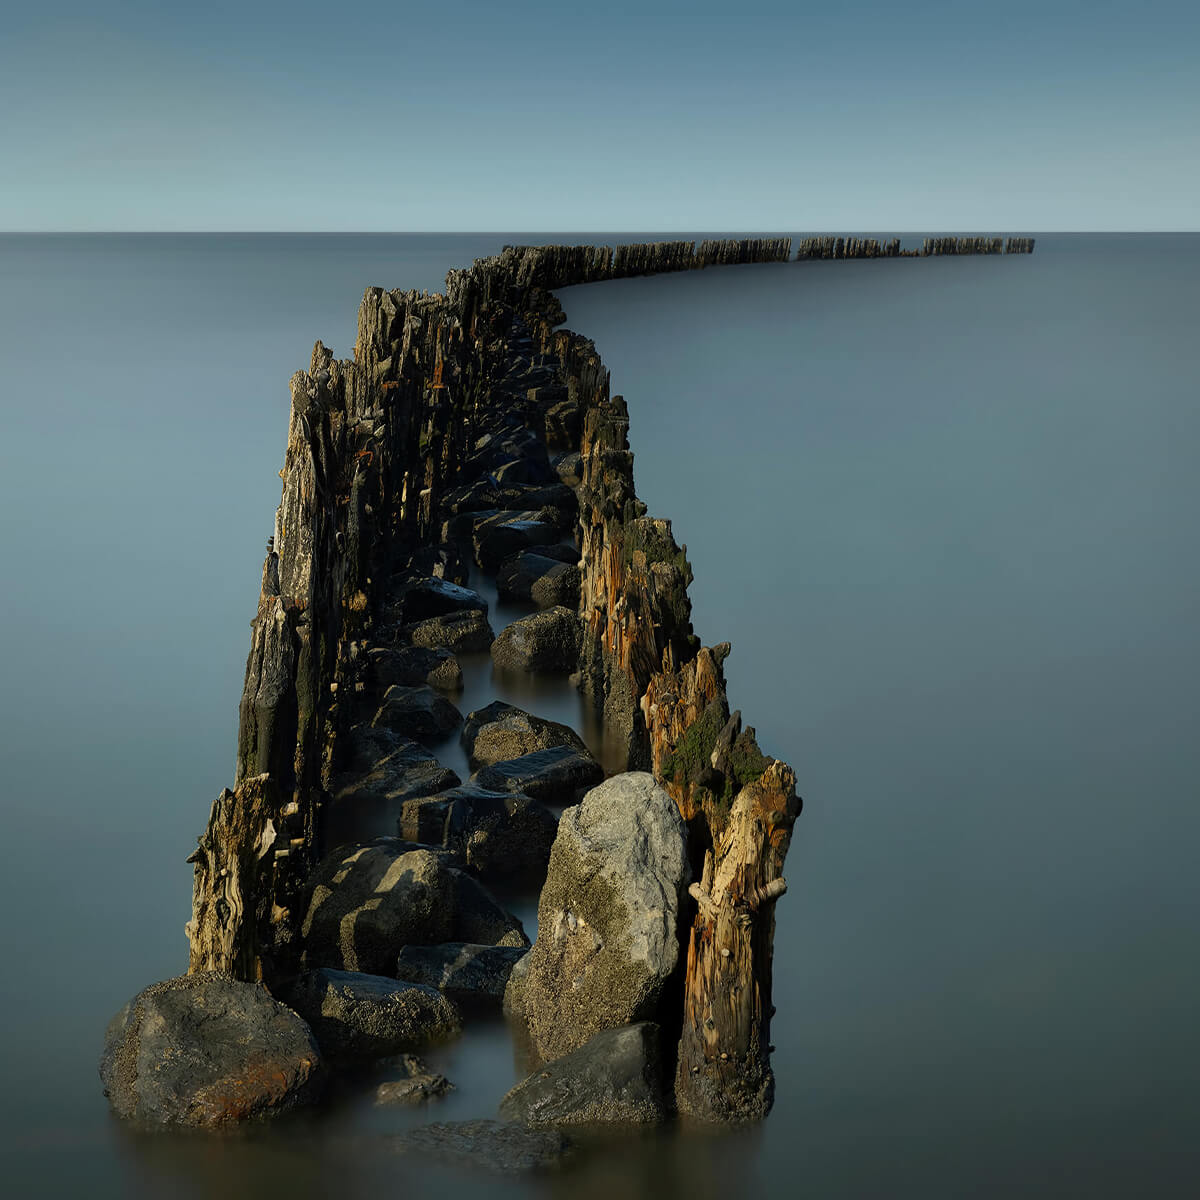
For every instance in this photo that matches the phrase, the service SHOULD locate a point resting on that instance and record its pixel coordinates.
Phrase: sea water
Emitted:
(942, 508)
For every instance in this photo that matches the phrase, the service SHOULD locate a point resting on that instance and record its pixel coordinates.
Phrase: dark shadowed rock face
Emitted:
(498, 835)
(460, 632)
(498, 1147)
(608, 917)
(356, 1016)
(616, 1078)
(207, 1051)
(555, 776)
(416, 712)
(369, 901)
(378, 764)
(544, 641)
(502, 731)
(545, 581)
(433, 597)
(411, 666)
(499, 535)
(473, 976)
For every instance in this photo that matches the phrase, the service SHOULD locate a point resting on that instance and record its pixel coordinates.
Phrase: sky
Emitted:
(745, 115)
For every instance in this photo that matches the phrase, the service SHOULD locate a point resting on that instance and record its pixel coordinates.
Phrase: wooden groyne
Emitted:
(830, 247)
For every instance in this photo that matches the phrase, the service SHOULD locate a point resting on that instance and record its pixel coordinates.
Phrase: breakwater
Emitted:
(829, 247)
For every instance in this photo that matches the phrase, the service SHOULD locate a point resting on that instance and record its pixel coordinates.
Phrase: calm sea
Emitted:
(945, 512)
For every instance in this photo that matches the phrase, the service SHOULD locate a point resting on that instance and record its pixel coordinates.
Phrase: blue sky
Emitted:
(481, 115)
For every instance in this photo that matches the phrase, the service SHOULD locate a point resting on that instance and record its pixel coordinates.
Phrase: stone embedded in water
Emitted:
(544, 641)
(609, 915)
(380, 765)
(416, 712)
(460, 632)
(206, 1050)
(558, 775)
(360, 1016)
(501, 731)
(470, 975)
(433, 597)
(498, 1147)
(614, 1078)
(369, 901)
(546, 581)
(411, 666)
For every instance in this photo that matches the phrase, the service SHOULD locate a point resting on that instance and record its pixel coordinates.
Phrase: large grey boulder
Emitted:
(499, 835)
(544, 641)
(609, 915)
(497, 1147)
(460, 632)
(206, 1050)
(369, 901)
(416, 712)
(559, 775)
(614, 1078)
(501, 731)
(356, 1016)
(473, 976)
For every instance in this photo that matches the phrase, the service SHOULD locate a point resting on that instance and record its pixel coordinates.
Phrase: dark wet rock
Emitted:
(544, 641)
(459, 632)
(545, 581)
(378, 764)
(416, 712)
(418, 1088)
(559, 775)
(358, 1016)
(488, 495)
(615, 1078)
(206, 1050)
(420, 599)
(501, 731)
(442, 562)
(369, 901)
(502, 534)
(412, 666)
(471, 975)
(570, 469)
(609, 914)
(559, 551)
(499, 835)
(498, 1147)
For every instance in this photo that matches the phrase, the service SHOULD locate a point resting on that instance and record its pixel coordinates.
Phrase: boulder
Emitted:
(609, 915)
(472, 976)
(356, 1016)
(206, 1050)
(559, 775)
(499, 535)
(411, 666)
(420, 599)
(416, 712)
(498, 1147)
(460, 632)
(545, 581)
(378, 764)
(501, 731)
(543, 641)
(369, 901)
(500, 835)
(615, 1078)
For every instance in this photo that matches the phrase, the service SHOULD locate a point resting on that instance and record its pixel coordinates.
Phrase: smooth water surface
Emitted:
(942, 508)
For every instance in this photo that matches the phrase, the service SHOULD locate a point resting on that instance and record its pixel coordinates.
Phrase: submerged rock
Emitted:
(460, 632)
(559, 775)
(206, 1050)
(608, 918)
(416, 712)
(614, 1078)
(544, 641)
(501, 731)
(369, 901)
(499, 835)
(470, 975)
(359, 1016)
(499, 1147)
